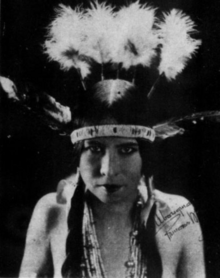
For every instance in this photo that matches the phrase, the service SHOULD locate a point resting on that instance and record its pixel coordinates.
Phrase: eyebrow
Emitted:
(128, 144)
(93, 142)
(122, 144)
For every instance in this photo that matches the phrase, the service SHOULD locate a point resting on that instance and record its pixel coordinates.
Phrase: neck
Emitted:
(111, 212)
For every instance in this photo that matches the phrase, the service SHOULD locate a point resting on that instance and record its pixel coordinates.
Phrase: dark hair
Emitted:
(109, 102)
(74, 242)
(130, 109)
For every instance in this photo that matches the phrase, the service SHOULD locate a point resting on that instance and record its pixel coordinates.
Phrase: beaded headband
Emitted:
(127, 131)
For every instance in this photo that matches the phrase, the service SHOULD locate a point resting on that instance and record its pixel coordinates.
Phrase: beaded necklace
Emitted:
(92, 264)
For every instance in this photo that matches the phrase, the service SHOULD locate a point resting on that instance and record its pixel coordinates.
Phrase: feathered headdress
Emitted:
(120, 40)
(123, 39)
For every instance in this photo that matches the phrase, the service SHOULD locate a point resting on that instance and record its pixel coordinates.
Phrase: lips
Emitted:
(111, 188)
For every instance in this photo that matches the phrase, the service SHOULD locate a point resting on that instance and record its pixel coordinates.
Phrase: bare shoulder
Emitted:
(47, 217)
(47, 201)
(48, 213)
(178, 235)
(172, 201)
(175, 218)
(52, 209)
(47, 233)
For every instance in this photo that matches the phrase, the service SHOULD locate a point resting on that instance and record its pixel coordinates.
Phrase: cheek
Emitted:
(87, 169)
(133, 168)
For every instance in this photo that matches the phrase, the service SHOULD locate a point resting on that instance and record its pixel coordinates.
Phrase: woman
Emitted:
(104, 231)
(108, 220)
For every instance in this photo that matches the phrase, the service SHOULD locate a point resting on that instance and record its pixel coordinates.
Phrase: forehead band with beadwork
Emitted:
(126, 131)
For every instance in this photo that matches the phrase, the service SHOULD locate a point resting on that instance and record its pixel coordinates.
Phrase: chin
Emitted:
(115, 197)
(109, 198)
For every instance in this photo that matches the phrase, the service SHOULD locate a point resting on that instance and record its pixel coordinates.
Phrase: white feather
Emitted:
(100, 32)
(65, 39)
(177, 45)
(57, 111)
(136, 41)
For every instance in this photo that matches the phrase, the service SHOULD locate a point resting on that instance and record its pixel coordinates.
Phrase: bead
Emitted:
(129, 264)
(83, 265)
(139, 203)
(135, 233)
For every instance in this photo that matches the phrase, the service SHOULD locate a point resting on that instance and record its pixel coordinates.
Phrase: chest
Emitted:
(115, 247)
(113, 244)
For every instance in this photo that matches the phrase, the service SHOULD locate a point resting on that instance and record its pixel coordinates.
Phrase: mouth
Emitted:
(112, 188)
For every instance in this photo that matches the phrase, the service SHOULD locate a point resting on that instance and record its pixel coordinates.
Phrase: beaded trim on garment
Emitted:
(92, 264)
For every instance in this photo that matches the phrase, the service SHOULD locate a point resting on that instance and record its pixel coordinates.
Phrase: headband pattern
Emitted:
(126, 131)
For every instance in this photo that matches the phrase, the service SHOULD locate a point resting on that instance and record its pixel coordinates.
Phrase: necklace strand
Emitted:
(92, 265)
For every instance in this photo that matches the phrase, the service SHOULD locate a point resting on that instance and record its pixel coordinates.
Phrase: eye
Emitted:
(94, 149)
(127, 150)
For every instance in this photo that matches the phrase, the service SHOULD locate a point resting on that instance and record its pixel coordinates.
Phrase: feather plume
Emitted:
(166, 130)
(173, 127)
(177, 45)
(65, 39)
(129, 37)
(9, 88)
(100, 32)
(137, 40)
(102, 35)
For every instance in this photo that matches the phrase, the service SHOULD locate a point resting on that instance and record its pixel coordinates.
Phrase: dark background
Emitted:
(34, 158)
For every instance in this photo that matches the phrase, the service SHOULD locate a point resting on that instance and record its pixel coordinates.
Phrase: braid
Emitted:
(149, 247)
(74, 244)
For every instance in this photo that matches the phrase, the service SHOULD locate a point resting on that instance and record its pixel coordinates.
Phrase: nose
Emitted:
(109, 164)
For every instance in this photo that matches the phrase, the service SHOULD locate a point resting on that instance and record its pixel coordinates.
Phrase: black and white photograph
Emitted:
(109, 139)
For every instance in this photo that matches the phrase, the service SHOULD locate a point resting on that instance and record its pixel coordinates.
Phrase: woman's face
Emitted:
(111, 168)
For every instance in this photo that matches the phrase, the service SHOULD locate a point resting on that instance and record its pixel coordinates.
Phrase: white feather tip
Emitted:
(177, 44)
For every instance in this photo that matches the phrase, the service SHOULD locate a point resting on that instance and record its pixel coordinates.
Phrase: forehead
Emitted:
(111, 141)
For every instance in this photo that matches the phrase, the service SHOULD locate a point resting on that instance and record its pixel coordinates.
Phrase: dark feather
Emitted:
(174, 126)
(44, 106)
